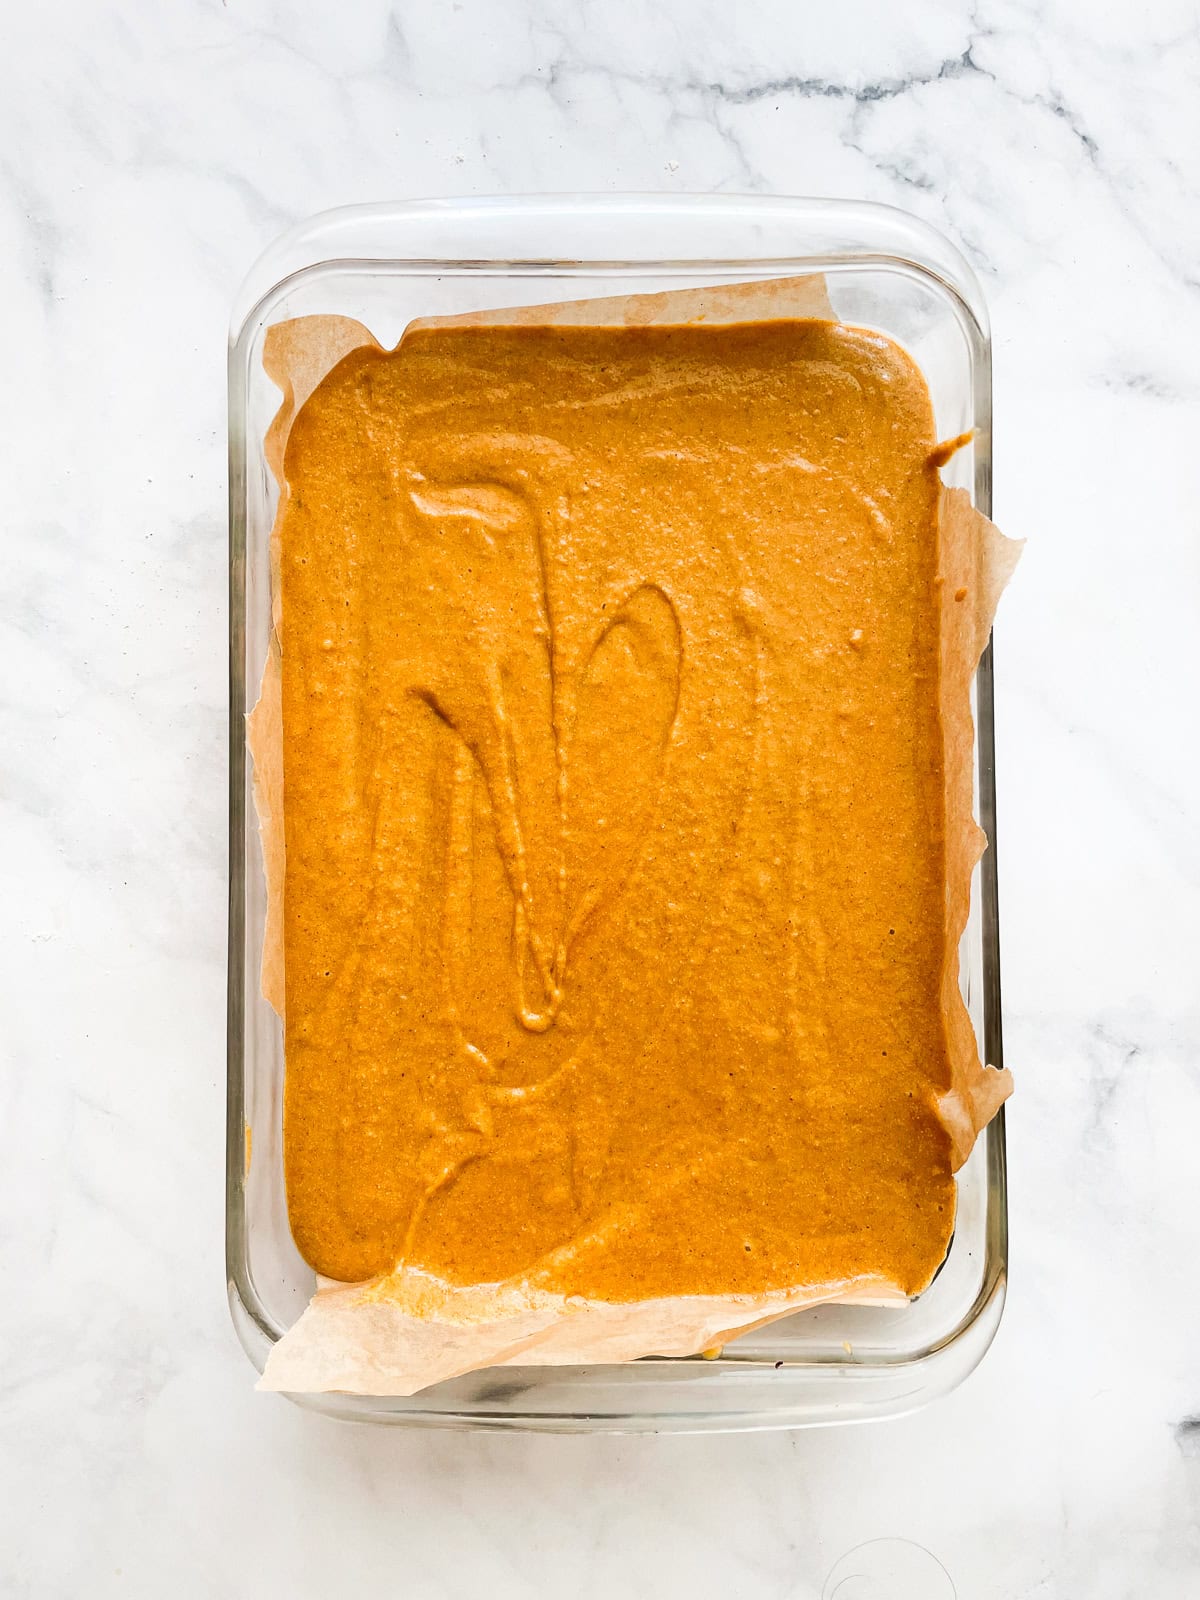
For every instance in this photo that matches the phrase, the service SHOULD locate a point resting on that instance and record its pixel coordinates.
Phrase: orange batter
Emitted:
(613, 914)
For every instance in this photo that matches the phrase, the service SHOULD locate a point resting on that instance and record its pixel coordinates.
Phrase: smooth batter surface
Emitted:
(613, 810)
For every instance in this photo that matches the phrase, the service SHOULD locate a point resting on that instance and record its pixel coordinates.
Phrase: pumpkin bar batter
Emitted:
(613, 807)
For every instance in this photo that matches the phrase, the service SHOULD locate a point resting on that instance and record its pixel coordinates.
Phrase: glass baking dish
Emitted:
(385, 264)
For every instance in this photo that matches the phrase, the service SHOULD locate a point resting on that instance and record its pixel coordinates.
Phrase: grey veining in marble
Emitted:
(147, 153)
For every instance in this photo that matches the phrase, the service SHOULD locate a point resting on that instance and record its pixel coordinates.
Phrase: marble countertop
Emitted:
(148, 152)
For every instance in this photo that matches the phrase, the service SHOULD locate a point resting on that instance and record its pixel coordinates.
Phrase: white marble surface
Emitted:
(148, 151)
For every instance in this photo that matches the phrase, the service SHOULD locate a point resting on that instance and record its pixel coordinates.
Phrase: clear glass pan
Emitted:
(384, 265)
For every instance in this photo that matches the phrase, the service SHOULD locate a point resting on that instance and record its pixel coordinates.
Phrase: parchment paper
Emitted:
(406, 1330)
